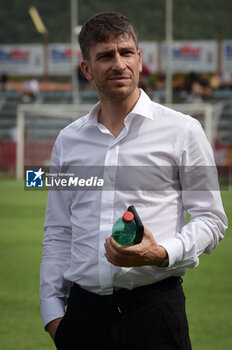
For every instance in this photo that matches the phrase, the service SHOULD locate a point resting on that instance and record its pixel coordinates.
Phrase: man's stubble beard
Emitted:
(104, 90)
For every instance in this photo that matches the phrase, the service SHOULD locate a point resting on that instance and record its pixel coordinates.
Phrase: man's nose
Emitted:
(118, 64)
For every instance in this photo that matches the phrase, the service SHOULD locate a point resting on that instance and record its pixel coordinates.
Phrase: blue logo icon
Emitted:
(34, 178)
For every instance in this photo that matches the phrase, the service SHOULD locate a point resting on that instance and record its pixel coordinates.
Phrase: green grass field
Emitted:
(208, 288)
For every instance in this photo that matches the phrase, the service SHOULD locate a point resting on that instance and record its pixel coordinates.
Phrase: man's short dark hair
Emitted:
(101, 26)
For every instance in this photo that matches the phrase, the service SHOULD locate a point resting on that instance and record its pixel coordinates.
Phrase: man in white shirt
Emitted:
(126, 297)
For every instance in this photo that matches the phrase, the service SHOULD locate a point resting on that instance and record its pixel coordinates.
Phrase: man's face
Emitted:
(114, 67)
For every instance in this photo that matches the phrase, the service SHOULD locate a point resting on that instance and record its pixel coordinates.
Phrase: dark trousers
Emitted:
(146, 318)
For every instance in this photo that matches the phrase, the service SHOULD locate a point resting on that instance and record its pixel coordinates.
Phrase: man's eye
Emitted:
(127, 53)
(107, 55)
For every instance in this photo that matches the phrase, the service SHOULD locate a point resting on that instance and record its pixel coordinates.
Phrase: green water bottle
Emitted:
(124, 230)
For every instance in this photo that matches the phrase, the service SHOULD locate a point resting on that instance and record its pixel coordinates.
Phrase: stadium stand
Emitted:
(225, 124)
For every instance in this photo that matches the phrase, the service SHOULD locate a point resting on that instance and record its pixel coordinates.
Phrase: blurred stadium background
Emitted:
(42, 90)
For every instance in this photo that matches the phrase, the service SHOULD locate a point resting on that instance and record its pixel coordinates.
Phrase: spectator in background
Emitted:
(205, 83)
(226, 80)
(144, 80)
(160, 82)
(179, 83)
(30, 90)
(194, 88)
(4, 83)
(215, 81)
(198, 88)
(13, 133)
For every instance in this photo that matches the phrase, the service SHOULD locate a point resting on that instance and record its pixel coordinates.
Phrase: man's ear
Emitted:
(140, 61)
(86, 70)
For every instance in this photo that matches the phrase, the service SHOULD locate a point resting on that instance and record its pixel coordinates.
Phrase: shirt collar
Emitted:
(143, 107)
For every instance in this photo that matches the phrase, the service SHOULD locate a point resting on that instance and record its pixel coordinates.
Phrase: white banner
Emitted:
(60, 59)
(192, 56)
(24, 59)
(227, 56)
(149, 51)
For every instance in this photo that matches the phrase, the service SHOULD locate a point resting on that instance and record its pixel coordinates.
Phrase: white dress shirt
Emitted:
(78, 222)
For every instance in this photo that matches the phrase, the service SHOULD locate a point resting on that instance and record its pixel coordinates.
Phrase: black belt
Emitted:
(122, 299)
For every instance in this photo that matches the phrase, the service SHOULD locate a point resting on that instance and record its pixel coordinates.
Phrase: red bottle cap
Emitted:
(128, 216)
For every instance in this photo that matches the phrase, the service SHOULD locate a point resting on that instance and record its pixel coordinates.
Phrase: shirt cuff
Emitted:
(51, 309)
(174, 248)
